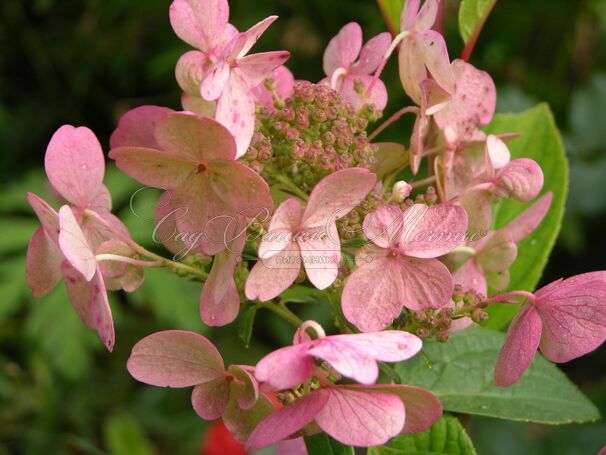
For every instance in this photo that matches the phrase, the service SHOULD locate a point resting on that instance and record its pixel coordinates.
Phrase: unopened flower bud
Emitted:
(479, 315)
(400, 191)
(442, 336)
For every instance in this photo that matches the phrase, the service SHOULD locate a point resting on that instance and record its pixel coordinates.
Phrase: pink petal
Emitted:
(470, 276)
(434, 97)
(343, 49)
(102, 200)
(136, 127)
(200, 23)
(520, 346)
(430, 232)
(411, 68)
(321, 253)
(435, 56)
(355, 417)
(74, 245)
(284, 81)
(284, 223)
(256, 67)
(574, 316)
(371, 54)
(74, 164)
(215, 79)
(236, 110)
(497, 151)
(288, 420)
(479, 212)
(247, 385)
(165, 227)
(241, 188)
(200, 139)
(190, 71)
(426, 283)
(152, 167)
(175, 358)
(219, 300)
(497, 253)
(409, 14)
(89, 300)
(354, 355)
(210, 399)
(294, 447)
(383, 226)
(521, 179)
(427, 15)
(47, 216)
(378, 95)
(527, 221)
(43, 264)
(422, 407)
(270, 277)
(246, 40)
(371, 298)
(198, 105)
(285, 368)
(336, 195)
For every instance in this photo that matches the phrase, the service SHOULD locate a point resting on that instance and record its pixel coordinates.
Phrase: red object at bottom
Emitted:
(219, 441)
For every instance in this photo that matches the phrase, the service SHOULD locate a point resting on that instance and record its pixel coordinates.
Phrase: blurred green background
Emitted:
(86, 62)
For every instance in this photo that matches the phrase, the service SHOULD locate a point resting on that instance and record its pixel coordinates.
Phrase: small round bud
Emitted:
(479, 315)
(400, 191)
(442, 336)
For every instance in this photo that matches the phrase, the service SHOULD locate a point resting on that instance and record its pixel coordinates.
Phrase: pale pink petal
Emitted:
(210, 399)
(430, 232)
(435, 56)
(219, 300)
(74, 164)
(293, 447)
(200, 139)
(246, 40)
(409, 14)
(521, 179)
(336, 195)
(284, 223)
(383, 226)
(574, 316)
(256, 67)
(287, 421)
(246, 383)
(354, 355)
(47, 216)
(527, 221)
(498, 152)
(471, 277)
(343, 49)
(215, 79)
(371, 298)
(175, 358)
(190, 71)
(371, 54)
(42, 264)
(74, 245)
(97, 231)
(165, 227)
(427, 15)
(479, 213)
(321, 253)
(349, 89)
(152, 167)
(421, 406)
(198, 105)
(200, 23)
(284, 80)
(236, 110)
(434, 97)
(271, 276)
(355, 417)
(102, 200)
(136, 127)
(520, 346)
(241, 188)
(426, 283)
(285, 368)
(89, 300)
(497, 253)
(412, 68)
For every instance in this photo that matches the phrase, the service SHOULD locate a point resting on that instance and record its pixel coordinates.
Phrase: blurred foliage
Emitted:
(88, 61)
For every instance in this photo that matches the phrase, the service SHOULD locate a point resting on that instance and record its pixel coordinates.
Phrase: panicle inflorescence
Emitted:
(309, 135)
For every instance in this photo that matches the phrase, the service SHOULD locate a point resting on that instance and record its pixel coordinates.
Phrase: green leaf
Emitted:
(124, 436)
(460, 374)
(391, 10)
(322, 444)
(472, 15)
(16, 234)
(539, 140)
(245, 326)
(12, 285)
(302, 294)
(446, 437)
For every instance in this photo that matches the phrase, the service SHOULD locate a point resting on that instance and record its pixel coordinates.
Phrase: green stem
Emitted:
(281, 310)
(287, 182)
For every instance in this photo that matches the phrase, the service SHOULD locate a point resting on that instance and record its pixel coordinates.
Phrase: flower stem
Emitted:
(127, 260)
(392, 119)
(284, 180)
(503, 298)
(422, 182)
(281, 310)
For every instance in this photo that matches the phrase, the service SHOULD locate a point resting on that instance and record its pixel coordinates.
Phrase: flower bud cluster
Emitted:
(310, 135)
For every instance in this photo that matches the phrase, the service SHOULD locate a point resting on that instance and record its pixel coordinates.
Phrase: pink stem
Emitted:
(467, 51)
(392, 119)
(502, 298)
